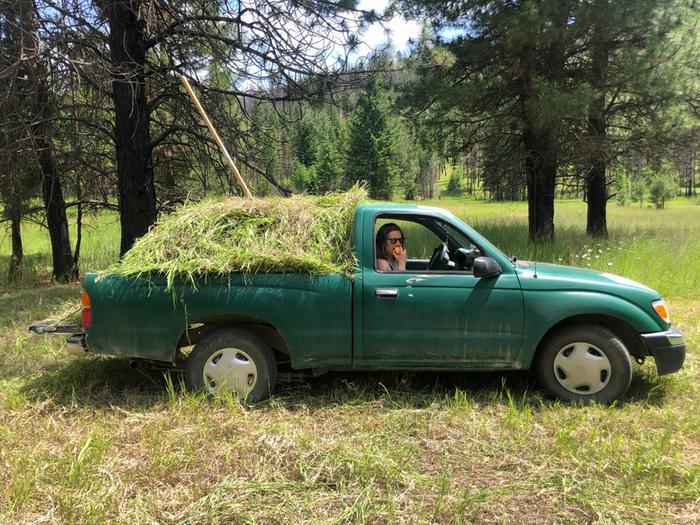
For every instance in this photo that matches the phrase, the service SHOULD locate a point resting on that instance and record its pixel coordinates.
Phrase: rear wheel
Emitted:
(232, 360)
(584, 363)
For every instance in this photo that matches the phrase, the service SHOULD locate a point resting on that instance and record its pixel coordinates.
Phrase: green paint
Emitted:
(439, 320)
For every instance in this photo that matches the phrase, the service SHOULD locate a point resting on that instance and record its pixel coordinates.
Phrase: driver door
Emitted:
(432, 319)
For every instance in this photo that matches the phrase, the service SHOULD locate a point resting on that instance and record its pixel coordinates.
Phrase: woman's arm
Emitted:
(383, 265)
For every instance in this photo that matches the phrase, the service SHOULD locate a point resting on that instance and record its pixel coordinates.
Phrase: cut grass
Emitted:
(300, 234)
(93, 441)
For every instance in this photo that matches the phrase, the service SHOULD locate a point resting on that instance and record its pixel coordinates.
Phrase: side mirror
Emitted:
(486, 267)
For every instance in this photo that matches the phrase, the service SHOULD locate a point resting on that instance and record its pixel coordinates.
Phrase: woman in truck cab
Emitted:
(390, 249)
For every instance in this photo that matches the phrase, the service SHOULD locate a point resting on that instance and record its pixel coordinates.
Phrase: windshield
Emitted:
(492, 248)
(459, 237)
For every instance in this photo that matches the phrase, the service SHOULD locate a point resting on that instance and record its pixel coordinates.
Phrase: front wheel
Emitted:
(232, 360)
(584, 363)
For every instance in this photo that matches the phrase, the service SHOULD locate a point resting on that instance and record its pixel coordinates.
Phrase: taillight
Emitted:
(87, 311)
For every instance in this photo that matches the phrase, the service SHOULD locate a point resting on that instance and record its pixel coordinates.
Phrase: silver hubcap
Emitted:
(230, 369)
(582, 368)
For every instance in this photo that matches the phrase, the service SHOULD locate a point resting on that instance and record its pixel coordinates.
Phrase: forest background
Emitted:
(499, 111)
(596, 100)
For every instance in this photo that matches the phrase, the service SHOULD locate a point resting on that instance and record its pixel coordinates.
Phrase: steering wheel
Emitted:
(440, 258)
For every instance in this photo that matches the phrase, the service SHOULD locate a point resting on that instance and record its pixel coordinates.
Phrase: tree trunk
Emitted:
(690, 170)
(541, 136)
(596, 187)
(596, 219)
(54, 203)
(17, 251)
(541, 171)
(15, 270)
(540, 158)
(692, 173)
(137, 202)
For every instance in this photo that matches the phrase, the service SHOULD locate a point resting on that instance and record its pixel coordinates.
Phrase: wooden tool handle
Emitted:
(216, 136)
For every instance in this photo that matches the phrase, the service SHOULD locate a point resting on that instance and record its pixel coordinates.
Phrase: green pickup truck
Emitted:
(460, 304)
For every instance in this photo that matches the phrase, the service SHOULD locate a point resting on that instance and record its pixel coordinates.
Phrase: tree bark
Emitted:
(541, 132)
(540, 144)
(541, 170)
(52, 194)
(690, 172)
(17, 252)
(596, 217)
(596, 187)
(137, 201)
(54, 203)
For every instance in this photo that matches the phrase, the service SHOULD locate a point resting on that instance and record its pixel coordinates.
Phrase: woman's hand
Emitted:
(400, 256)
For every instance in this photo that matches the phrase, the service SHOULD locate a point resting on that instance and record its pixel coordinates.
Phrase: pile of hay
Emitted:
(300, 234)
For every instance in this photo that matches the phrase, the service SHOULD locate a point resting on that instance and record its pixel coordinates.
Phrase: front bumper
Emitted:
(667, 348)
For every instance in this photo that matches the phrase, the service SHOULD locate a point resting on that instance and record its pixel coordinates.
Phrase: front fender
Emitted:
(546, 309)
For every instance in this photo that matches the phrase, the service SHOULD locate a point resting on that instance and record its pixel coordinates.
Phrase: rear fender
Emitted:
(200, 329)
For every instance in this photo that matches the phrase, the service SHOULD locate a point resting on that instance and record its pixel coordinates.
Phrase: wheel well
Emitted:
(627, 334)
(196, 331)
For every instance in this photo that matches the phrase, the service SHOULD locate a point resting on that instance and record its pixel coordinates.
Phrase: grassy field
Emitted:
(92, 441)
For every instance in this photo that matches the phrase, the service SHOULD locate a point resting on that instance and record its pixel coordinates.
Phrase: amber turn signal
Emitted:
(662, 310)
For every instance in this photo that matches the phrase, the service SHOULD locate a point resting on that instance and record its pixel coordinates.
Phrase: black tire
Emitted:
(243, 356)
(584, 363)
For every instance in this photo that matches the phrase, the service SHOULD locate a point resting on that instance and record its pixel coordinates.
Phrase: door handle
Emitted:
(386, 293)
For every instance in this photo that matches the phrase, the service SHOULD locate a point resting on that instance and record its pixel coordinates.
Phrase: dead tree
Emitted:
(40, 129)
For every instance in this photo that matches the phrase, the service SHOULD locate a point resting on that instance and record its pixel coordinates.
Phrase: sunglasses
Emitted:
(395, 241)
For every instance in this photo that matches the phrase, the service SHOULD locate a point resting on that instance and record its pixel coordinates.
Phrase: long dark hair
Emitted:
(382, 233)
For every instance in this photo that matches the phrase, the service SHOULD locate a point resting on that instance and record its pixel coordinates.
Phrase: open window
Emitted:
(432, 245)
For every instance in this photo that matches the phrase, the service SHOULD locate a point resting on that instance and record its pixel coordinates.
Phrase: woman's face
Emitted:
(393, 240)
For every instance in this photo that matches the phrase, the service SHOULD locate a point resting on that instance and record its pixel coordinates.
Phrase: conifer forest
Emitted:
(597, 100)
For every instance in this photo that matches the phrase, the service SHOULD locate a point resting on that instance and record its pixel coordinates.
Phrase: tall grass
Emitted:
(92, 441)
(99, 246)
(656, 247)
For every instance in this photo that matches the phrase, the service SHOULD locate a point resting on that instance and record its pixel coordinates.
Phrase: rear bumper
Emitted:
(75, 345)
(667, 348)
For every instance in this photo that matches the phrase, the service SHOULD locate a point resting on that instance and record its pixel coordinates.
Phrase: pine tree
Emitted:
(329, 168)
(408, 153)
(265, 142)
(42, 106)
(505, 74)
(633, 61)
(305, 143)
(371, 154)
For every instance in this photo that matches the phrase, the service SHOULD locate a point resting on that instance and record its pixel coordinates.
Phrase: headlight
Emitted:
(662, 310)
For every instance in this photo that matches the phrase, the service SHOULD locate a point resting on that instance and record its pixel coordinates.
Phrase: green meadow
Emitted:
(90, 440)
